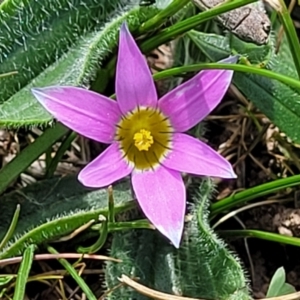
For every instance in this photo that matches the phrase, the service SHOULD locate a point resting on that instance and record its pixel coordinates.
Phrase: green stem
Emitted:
(291, 34)
(11, 228)
(162, 16)
(253, 193)
(179, 71)
(23, 273)
(111, 205)
(182, 27)
(139, 224)
(119, 226)
(103, 232)
(85, 288)
(269, 236)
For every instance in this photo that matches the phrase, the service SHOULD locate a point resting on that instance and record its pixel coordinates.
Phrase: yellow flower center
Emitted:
(145, 137)
(143, 140)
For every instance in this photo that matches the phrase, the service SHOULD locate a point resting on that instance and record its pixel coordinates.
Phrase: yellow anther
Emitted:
(143, 140)
(144, 137)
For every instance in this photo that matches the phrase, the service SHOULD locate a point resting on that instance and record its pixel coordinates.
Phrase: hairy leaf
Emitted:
(54, 208)
(203, 267)
(34, 34)
(77, 67)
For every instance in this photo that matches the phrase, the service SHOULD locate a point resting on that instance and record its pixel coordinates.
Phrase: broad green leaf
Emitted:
(54, 208)
(278, 286)
(203, 267)
(34, 34)
(77, 67)
(279, 102)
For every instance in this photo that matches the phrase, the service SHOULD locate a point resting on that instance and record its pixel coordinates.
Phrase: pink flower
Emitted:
(145, 133)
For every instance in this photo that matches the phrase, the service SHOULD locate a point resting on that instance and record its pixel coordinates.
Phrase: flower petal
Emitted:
(193, 100)
(189, 155)
(88, 113)
(162, 197)
(107, 168)
(134, 83)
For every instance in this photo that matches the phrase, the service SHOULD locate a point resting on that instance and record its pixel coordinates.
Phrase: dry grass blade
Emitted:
(294, 296)
(150, 292)
(163, 296)
(17, 259)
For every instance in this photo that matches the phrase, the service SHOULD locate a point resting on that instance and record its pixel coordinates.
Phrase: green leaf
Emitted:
(287, 289)
(34, 34)
(278, 286)
(32, 152)
(125, 247)
(23, 272)
(203, 250)
(77, 277)
(203, 267)
(77, 67)
(5, 279)
(54, 208)
(216, 47)
(276, 283)
(279, 102)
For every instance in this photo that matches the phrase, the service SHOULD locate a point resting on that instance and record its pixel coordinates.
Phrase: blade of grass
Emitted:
(103, 232)
(269, 236)
(291, 34)
(253, 193)
(12, 170)
(82, 284)
(179, 71)
(11, 228)
(162, 16)
(23, 273)
(60, 153)
(184, 26)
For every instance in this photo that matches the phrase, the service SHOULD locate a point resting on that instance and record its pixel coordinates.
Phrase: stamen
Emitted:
(145, 137)
(143, 140)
